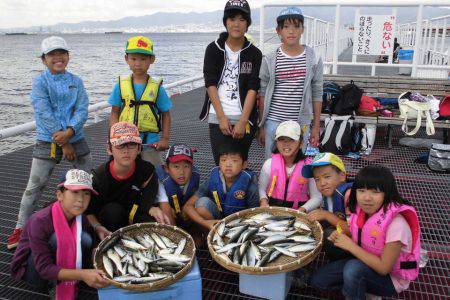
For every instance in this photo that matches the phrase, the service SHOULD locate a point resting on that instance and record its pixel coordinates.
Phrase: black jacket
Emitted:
(249, 60)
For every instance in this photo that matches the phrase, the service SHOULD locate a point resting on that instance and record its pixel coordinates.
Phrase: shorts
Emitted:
(210, 206)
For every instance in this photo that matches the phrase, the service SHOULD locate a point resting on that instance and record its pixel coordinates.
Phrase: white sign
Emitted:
(374, 35)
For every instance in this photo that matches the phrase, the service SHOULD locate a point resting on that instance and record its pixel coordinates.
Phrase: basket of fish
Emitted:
(145, 256)
(265, 240)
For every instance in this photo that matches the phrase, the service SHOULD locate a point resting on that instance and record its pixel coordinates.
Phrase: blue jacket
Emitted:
(338, 199)
(172, 188)
(59, 101)
(237, 197)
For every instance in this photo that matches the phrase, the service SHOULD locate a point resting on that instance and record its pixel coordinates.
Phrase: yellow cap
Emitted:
(139, 44)
(323, 159)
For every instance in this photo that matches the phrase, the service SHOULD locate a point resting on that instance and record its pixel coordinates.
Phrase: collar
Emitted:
(114, 175)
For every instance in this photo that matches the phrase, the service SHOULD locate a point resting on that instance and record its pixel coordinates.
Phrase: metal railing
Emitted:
(95, 109)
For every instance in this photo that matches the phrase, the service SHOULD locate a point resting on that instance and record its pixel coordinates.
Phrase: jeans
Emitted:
(210, 206)
(354, 278)
(41, 170)
(32, 276)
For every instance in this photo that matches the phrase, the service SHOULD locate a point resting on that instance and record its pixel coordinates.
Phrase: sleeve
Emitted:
(203, 189)
(264, 178)
(80, 113)
(43, 257)
(399, 231)
(264, 76)
(315, 197)
(317, 81)
(43, 111)
(163, 102)
(210, 67)
(161, 196)
(254, 82)
(114, 98)
(253, 195)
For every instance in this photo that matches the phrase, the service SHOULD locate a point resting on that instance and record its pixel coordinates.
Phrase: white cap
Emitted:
(53, 43)
(78, 180)
(290, 129)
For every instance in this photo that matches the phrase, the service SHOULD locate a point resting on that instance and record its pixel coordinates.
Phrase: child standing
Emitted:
(60, 104)
(383, 236)
(231, 70)
(291, 83)
(281, 182)
(180, 179)
(56, 242)
(141, 100)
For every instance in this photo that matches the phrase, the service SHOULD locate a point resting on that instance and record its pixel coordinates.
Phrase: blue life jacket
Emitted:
(173, 189)
(236, 199)
(338, 200)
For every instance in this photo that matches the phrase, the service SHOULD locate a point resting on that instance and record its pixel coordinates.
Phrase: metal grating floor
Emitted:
(427, 190)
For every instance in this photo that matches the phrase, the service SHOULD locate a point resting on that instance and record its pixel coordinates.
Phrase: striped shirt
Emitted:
(290, 73)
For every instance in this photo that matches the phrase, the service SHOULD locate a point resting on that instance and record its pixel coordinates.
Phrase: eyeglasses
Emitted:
(130, 146)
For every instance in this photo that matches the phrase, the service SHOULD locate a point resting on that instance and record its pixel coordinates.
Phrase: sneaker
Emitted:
(13, 239)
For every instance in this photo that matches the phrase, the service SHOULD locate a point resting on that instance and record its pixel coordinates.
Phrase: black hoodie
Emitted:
(213, 67)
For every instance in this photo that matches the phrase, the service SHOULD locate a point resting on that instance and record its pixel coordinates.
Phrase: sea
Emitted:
(98, 59)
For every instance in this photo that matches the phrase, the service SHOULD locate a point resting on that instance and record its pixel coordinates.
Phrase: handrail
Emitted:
(95, 108)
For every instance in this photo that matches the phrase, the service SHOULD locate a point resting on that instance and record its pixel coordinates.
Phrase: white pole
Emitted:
(430, 28)
(327, 41)
(417, 41)
(261, 28)
(436, 34)
(444, 32)
(337, 23)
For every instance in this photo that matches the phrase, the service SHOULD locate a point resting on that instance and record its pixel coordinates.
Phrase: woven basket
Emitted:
(175, 234)
(283, 263)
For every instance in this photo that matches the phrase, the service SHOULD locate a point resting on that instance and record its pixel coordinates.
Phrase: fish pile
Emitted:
(262, 238)
(144, 258)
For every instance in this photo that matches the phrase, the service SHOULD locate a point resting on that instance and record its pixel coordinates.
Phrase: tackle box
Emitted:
(187, 288)
(276, 286)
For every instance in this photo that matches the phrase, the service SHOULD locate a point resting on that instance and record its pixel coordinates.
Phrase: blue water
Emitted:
(97, 58)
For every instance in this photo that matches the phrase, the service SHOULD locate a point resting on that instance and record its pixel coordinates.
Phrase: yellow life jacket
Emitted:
(141, 112)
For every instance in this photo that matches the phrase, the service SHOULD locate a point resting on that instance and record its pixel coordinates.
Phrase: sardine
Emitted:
(158, 241)
(133, 271)
(302, 248)
(236, 236)
(178, 258)
(264, 259)
(124, 278)
(132, 245)
(144, 242)
(150, 277)
(108, 266)
(228, 247)
(167, 241)
(274, 255)
(119, 250)
(243, 248)
(300, 225)
(181, 246)
(256, 251)
(302, 239)
(233, 223)
(115, 258)
(248, 233)
(274, 239)
(221, 230)
(285, 251)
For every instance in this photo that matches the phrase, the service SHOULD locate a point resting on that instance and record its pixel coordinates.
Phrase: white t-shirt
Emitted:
(228, 89)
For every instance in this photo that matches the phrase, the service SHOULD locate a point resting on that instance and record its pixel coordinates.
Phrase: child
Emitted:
(291, 83)
(180, 179)
(141, 100)
(231, 70)
(383, 236)
(56, 242)
(128, 187)
(229, 189)
(328, 171)
(281, 182)
(60, 106)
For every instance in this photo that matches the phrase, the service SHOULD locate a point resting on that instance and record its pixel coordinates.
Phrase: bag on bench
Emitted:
(415, 110)
(337, 137)
(349, 101)
(439, 158)
(331, 95)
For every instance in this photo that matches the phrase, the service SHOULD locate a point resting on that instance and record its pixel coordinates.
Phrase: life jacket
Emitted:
(175, 194)
(141, 112)
(370, 234)
(236, 198)
(338, 200)
(293, 189)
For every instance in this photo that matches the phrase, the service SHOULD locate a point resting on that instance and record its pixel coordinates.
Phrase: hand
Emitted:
(102, 232)
(94, 278)
(69, 152)
(264, 202)
(239, 129)
(163, 144)
(225, 126)
(210, 223)
(342, 241)
(318, 215)
(261, 136)
(62, 137)
(302, 209)
(314, 136)
(159, 215)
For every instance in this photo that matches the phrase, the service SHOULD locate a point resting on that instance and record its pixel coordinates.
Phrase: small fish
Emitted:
(178, 258)
(132, 245)
(302, 239)
(166, 251)
(181, 246)
(221, 230)
(158, 241)
(108, 266)
(228, 247)
(300, 225)
(236, 236)
(274, 239)
(251, 257)
(243, 248)
(271, 233)
(218, 240)
(256, 251)
(302, 247)
(167, 242)
(144, 242)
(285, 251)
(115, 258)
(150, 277)
(133, 271)
(233, 223)
(120, 251)
(124, 278)
(275, 254)
(265, 258)
(261, 217)
(248, 233)
(236, 257)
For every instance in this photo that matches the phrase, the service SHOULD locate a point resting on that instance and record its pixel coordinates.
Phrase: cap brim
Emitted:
(298, 17)
(178, 158)
(121, 141)
(288, 136)
(307, 170)
(53, 49)
(140, 52)
(79, 187)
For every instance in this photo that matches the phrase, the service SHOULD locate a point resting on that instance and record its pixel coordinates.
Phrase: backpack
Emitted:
(444, 108)
(331, 94)
(338, 135)
(349, 101)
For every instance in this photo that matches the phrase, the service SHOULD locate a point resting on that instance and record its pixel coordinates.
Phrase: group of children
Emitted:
(372, 235)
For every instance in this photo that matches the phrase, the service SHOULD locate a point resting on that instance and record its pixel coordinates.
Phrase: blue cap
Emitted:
(323, 159)
(290, 12)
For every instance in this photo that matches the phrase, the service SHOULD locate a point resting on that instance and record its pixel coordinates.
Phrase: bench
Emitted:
(392, 87)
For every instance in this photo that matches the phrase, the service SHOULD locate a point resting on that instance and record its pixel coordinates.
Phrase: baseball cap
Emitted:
(123, 133)
(241, 5)
(178, 153)
(139, 44)
(78, 180)
(323, 159)
(290, 129)
(290, 12)
(53, 43)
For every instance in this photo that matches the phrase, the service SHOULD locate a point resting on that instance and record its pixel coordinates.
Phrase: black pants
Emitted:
(218, 139)
(115, 216)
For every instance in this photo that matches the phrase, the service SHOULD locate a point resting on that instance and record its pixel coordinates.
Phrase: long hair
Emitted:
(377, 178)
